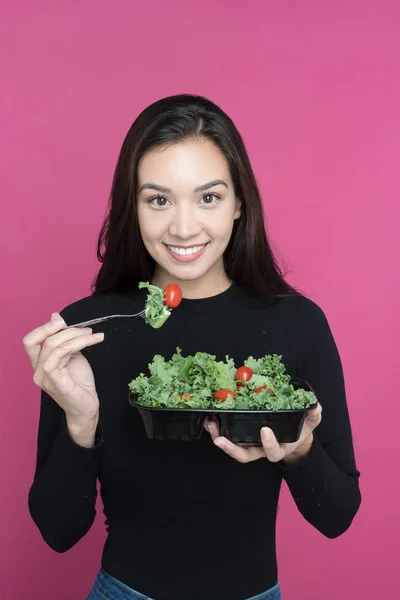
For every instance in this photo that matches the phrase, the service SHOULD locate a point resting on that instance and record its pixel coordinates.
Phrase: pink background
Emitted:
(314, 88)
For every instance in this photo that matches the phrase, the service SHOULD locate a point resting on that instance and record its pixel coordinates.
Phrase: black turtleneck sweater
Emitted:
(184, 520)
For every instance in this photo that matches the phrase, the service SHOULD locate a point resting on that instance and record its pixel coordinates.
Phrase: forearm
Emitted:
(63, 496)
(326, 496)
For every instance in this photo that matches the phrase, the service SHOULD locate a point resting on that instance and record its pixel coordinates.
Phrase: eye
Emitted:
(158, 201)
(210, 198)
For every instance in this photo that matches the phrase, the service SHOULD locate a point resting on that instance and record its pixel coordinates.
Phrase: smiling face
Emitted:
(186, 210)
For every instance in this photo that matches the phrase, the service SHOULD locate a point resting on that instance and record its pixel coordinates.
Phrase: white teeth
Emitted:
(186, 251)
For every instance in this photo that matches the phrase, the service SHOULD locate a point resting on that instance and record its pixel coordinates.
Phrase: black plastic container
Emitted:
(243, 427)
(238, 426)
(177, 424)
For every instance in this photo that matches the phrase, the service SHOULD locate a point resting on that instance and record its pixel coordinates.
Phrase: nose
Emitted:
(184, 223)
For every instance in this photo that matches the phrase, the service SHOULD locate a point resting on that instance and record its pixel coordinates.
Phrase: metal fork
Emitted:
(141, 314)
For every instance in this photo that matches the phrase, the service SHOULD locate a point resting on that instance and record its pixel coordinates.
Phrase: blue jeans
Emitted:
(108, 588)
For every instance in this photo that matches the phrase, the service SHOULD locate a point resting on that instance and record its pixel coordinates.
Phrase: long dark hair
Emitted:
(249, 259)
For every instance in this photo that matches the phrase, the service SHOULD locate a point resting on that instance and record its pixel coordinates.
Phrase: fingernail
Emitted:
(98, 336)
(265, 433)
(56, 320)
(87, 330)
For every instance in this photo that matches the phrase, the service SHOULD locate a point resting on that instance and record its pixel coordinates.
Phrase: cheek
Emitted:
(220, 224)
(150, 225)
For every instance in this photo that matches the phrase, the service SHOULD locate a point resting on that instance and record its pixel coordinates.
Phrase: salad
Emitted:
(199, 381)
(160, 302)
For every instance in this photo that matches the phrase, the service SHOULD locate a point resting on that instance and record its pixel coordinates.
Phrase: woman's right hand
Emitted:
(62, 371)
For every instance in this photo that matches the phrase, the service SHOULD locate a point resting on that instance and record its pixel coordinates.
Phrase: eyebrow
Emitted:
(200, 188)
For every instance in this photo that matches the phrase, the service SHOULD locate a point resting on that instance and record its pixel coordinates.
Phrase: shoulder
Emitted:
(302, 313)
(306, 320)
(99, 305)
(303, 308)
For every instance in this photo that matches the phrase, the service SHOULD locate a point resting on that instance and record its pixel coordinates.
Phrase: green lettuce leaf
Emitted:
(156, 312)
(191, 382)
(271, 366)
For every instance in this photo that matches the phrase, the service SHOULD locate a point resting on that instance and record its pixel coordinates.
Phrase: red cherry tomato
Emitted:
(264, 387)
(172, 295)
(260, 389)
(244, 374)
(223, 395)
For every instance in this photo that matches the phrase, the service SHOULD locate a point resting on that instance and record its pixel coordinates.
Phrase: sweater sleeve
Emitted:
(63, 494)
(325, 484)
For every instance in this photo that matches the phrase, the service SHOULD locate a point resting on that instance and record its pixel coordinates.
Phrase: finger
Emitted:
(33, 339)
(58, 339)
(242, 455)
(315, 413)
(274, 452)
(212, 428)
(313, 419)
(51, 366)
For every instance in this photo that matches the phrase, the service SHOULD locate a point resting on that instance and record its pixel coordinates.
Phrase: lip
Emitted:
(189, 246)
(190, 257)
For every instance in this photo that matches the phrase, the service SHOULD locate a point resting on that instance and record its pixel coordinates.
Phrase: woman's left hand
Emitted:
(271, 449)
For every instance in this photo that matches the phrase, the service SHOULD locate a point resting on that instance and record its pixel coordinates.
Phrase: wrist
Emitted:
(300, 452)
(83, 430)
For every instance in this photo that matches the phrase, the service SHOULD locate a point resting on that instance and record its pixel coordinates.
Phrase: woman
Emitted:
(184, 521)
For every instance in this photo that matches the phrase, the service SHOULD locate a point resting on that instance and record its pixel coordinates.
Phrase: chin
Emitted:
(185, 274)
(189, 272)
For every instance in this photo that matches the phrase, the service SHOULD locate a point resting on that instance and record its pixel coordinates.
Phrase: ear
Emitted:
(238, 209)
